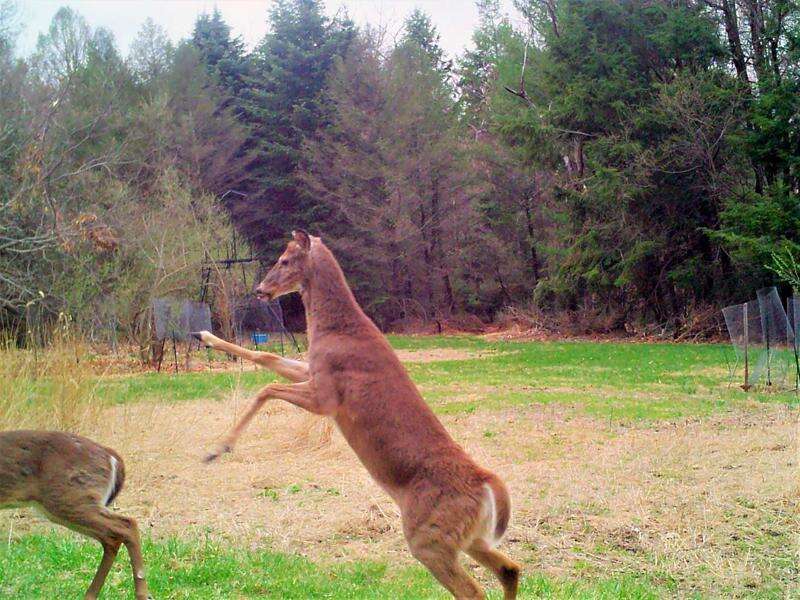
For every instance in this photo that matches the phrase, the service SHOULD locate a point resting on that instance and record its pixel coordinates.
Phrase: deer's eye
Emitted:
(283, 262)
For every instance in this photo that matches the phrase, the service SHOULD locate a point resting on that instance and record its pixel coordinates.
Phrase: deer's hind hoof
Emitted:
(198, 335)
(212, 456)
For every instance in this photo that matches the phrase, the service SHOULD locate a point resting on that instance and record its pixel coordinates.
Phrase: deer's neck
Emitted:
(329, 302)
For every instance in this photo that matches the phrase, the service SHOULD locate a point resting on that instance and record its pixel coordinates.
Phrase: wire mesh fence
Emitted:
(793, 323)
(251, 315)
(103, 326)
(764, 339)
(259, 322)
(176, 319)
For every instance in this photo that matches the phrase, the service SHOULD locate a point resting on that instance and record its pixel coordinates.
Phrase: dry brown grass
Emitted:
(710, 505)
(680, 501)
(437, 354)
(48, 389)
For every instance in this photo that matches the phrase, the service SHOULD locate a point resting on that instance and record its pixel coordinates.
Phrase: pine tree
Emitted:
(150, 52)
(421, 41)
(224, 55)
(392, 171)
(282, 104)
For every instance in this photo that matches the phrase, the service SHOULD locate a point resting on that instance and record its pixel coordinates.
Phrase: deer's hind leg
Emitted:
(437, 528)
(111, 530)
(110, 550)
(293, 370)
(441, 560)
(506, 570)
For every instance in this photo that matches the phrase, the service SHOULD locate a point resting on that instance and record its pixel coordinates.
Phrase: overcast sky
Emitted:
(455, 19)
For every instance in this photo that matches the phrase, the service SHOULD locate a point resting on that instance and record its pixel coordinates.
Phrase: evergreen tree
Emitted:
(516, 182)
(281, 105)
(609, 108)
(223, 54)
(477, 67)
(393, 175)
(150, 52)
(420, 43)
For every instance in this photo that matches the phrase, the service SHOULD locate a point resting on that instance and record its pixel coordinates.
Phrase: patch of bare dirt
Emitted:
(439, 354)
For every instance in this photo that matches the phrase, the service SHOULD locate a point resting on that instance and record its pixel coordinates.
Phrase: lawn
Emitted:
(621, 381)
(56, 566)
(636, 470)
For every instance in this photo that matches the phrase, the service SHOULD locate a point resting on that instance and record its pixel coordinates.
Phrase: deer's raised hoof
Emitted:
(198, 335)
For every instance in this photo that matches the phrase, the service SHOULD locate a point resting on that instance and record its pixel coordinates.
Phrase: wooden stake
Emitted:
(175, 352)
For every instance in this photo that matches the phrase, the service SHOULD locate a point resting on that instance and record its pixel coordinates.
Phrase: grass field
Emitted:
(616, 380)
(636, 472)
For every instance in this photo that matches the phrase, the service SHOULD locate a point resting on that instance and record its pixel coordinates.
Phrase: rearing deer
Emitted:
(72, 479)
(448, 503)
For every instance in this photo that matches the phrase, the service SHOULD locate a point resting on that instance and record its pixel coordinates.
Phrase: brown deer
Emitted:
(448, 503)
(72, 480)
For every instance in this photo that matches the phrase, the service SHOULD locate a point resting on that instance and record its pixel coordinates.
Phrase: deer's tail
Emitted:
(116, 479)
(500, 508)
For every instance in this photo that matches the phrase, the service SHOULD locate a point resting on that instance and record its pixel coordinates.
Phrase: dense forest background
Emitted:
(610, 165)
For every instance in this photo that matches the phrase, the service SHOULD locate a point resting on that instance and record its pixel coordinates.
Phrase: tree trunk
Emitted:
(756, 19)
(531, 239)
(731, 21)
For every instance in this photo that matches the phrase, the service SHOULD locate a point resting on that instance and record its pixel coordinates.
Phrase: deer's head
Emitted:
(288, 273)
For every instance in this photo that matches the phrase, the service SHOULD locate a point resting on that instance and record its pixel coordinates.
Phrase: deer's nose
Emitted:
(261, 293)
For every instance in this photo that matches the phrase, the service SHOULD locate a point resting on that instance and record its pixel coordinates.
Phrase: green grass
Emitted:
(61, 566)
(618, 381)
(176, 387)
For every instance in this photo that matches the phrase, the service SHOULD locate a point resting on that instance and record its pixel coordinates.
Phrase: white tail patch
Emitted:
(491, 520)
(112, 481)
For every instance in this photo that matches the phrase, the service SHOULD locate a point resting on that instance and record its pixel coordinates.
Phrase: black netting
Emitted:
(735, 318)
(774, 323)
(254, 316)
(195, 316)
(175, 319)
(104, 323)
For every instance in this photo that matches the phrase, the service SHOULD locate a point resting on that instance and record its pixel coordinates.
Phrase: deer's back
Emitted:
(43, 466)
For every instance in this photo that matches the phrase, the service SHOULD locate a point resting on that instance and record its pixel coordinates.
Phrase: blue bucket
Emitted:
(260, 338)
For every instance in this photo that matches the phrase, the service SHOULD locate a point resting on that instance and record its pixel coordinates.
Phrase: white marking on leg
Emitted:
(112, 480)
(293, 363)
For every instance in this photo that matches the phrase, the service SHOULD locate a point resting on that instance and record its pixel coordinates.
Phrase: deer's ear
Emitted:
(302, 238)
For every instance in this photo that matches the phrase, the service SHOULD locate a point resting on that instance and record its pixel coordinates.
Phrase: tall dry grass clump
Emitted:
(51, 387)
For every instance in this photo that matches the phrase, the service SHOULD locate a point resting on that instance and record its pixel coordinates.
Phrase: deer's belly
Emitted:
(379, 465)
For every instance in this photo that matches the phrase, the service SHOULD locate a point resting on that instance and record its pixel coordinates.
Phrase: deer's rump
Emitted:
(31, 461)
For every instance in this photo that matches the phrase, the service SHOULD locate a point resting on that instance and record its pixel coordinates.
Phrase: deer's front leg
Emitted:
(300, 394)
(293, 370)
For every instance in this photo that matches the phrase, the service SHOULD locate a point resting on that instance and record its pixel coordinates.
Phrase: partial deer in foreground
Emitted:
(448, 503)
(72, 480)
